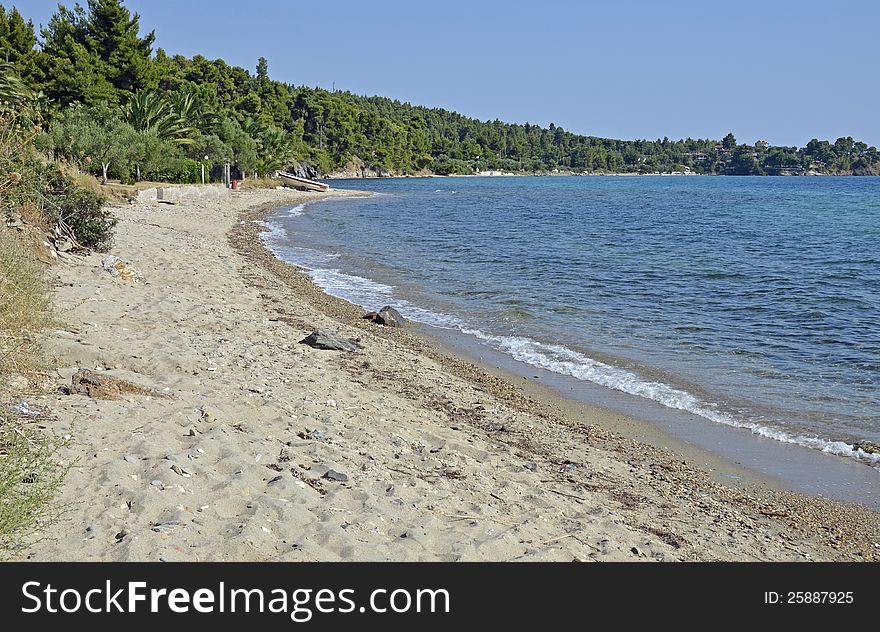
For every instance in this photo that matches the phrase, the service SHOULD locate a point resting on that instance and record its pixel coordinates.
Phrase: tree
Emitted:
(114, 36)
(729, 142)
(263, 71)
(241, 148)
(276, 150)
(17, 45)
(743, 162)
(96, 56)
(12, 89)
(154, 156)
(72, 70)
(92, 136)
(148, 111)
(192, 111)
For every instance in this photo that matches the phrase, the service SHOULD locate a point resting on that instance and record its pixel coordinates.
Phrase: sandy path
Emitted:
(438, 467)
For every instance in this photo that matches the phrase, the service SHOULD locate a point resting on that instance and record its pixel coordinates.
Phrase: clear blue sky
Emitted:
(781, 70)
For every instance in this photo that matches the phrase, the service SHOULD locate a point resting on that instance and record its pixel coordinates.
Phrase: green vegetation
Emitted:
(37, 192)
(31, 185)
(29, 480)
(24, 307)
(29, 473)
(142, 113)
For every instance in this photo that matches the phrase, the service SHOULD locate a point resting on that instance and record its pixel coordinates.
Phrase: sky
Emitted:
(778, 70)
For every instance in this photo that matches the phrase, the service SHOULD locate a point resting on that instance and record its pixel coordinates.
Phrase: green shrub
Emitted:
(175, 169)
(188, 172)
(24, 306)
(29, 474)
(451, 166)
(43, 185)
(83, 211)
(79, 210)
(29, 478)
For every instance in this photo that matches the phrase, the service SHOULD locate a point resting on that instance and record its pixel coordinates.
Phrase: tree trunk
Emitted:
(104, 167)
(138, 169)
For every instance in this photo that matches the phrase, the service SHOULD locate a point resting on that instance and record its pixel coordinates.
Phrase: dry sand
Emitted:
(442, 460)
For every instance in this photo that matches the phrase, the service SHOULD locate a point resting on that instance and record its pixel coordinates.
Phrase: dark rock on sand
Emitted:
(333, 475)
(390, 317)
(330, 342)
(867, 446)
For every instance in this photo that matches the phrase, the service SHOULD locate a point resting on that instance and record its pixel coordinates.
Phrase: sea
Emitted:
(749, 303)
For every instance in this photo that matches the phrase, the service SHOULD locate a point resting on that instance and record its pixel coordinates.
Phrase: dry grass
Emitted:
(34, 217)
(24, 306)
(87, 181)
(119, 193)
(30, 474)
(29, 471)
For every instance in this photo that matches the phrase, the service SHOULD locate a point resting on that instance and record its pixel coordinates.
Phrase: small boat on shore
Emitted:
(302, 183)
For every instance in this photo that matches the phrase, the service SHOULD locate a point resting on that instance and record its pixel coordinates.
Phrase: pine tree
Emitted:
(113, 34)
(263, 70)
(72, 71)
(97, 55)
(18, 42)
(729, 142)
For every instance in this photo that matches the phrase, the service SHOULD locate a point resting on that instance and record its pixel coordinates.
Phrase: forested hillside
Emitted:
(121, 108)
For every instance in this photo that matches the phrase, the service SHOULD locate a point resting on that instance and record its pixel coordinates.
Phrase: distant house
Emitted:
(762, 144)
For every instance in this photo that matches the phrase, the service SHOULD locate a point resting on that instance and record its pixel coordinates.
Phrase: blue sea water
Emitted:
(746, 301)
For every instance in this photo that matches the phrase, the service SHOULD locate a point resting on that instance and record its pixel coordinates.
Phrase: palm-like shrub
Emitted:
(148, 111)
(13, 91)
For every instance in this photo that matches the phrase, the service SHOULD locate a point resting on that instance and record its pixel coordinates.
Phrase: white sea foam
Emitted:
(565, 361)
(355, 289)
(274, 234)
(271, 231)
(372, 295)
(352, 288)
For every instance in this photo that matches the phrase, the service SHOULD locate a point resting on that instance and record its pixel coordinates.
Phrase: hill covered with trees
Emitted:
(119, 108)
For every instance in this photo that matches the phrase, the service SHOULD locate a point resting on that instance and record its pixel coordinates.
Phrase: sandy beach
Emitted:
(254, 447)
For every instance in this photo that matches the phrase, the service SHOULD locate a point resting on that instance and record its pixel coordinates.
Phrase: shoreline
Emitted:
(731, 455)
(500, 382)
(555, 407)
(730, 452)
(439, 458)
